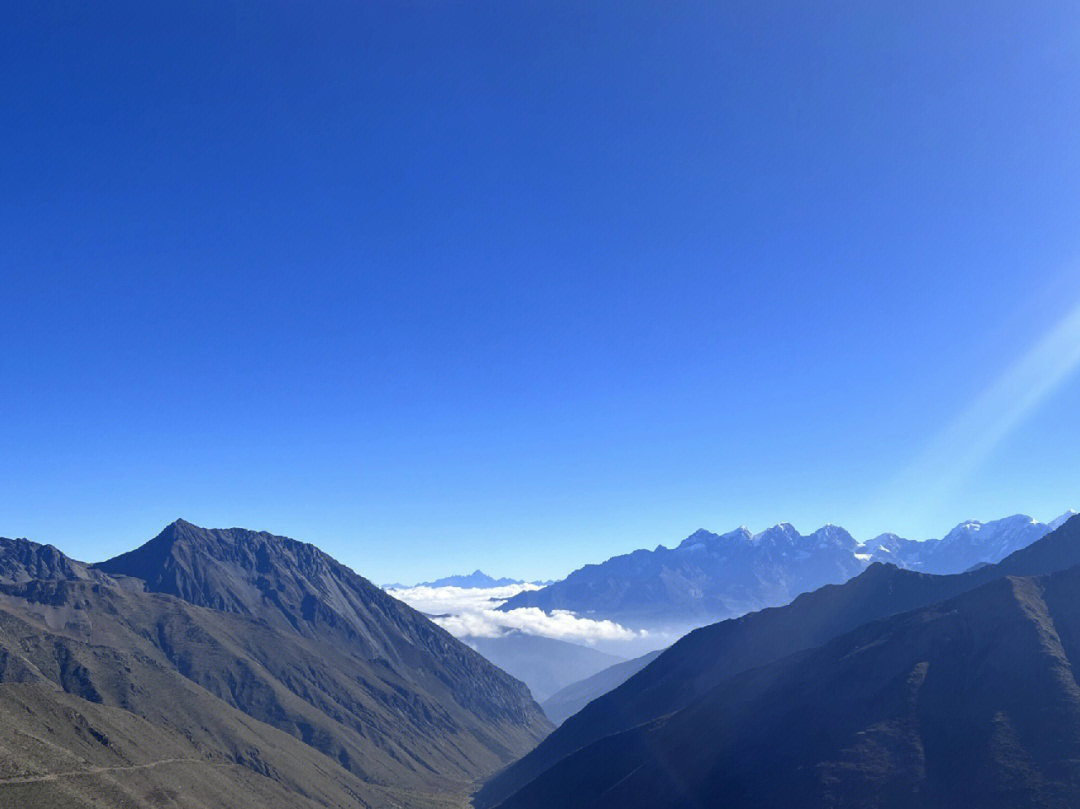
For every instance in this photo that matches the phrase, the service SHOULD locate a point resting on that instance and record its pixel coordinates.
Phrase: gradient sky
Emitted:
(522, 285)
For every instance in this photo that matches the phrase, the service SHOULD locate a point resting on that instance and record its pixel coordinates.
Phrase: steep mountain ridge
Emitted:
(22, 560)
(708, 657)
(297, 588)
(234, 636)
(970, 702)
(706, 576)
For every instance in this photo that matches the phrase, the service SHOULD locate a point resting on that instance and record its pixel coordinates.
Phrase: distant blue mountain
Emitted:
(546, 665)
(710, 577)
(707, 577)
(969, 544)
(569, 700)
(476, 579)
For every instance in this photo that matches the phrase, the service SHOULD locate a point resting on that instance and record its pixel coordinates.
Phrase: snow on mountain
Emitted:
(969, 543)
(708, 576)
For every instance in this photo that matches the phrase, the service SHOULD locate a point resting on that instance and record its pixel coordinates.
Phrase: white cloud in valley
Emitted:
(473, 612)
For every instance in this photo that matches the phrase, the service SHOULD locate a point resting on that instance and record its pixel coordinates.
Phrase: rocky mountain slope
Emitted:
(708, 657)
(970, 702)
(239, 653)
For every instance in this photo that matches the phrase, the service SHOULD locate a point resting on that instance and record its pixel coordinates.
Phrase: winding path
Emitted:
(32, 779)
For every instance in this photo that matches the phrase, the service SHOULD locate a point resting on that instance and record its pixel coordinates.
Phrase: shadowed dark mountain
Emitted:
(971, 702)
(708, 657)
(246, 651)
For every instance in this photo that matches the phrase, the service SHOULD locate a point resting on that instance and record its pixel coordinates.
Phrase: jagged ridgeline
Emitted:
(231, 668)
(895, 689)
(709, 577)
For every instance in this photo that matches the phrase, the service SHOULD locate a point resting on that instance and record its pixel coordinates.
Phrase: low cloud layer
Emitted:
(467, 612)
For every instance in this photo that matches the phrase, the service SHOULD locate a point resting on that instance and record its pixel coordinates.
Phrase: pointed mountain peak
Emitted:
(178, 529)
(699, 537)
(230, 569)
(835, 535)
(780, 531)
(478, 579)
(180, 526)
(702, 538)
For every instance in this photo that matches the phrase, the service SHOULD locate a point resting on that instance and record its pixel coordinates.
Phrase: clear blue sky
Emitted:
(521, 285)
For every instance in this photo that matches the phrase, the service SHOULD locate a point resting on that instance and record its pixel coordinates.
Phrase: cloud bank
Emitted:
(473, 613)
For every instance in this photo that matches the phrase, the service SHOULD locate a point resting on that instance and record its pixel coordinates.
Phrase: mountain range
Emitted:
(709, 577)
(232, 668)
(897, 688)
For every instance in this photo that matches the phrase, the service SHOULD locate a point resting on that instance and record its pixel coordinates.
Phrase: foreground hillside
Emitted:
(970, 702)
(252, 667)
(706, 660)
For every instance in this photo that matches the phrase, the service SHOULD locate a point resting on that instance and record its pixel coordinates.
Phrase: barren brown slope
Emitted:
(379, 694)
(971, 702)
(59, 750)
(86, 724)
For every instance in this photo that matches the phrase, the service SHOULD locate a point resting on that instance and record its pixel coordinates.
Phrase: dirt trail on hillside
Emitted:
(33, 779)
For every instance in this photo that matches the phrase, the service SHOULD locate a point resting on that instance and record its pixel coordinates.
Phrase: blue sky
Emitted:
(521, 285)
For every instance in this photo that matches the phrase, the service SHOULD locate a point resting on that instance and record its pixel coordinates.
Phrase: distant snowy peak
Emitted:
(969, 544)
(709, 576)
(707, 540)
(478, 579)
(833, 535)
(780, 535)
